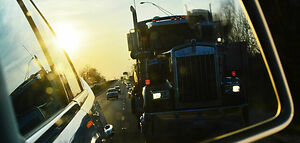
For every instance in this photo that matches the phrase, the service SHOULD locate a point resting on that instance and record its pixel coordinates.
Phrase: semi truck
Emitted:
(187, 77)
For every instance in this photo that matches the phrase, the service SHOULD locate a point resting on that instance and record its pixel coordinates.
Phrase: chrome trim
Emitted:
(174, 65)
(67, 134)
(88, 97)
(81, 97)
(218, 73)
(199, 49)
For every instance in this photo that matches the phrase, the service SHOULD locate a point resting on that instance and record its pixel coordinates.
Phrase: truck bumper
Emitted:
(202, 123)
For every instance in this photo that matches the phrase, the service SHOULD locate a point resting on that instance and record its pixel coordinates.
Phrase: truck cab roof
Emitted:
(158, 21)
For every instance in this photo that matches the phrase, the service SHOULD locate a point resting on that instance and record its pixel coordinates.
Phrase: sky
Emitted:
(93, 32)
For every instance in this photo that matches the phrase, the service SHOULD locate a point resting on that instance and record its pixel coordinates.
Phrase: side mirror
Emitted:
(131, 41)
(108, 129)
(133, 55)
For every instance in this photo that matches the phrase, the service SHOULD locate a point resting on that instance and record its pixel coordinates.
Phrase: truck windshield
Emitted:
(163, 38)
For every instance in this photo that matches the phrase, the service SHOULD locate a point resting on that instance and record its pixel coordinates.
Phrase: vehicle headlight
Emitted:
(236, 88)
(156, 95)
(160, 94)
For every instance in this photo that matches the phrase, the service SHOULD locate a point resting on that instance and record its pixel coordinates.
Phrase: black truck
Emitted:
(187, 77)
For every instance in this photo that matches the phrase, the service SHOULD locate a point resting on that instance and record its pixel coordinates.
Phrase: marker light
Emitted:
(172, 18)
(177, 17)
(183, 17)
(89, 124)
(156, 95)
(236, 88)
(147, 82)
(233, 73)
(153, 20)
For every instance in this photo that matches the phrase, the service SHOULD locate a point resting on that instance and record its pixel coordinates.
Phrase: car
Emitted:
(94, 85)
(129, 86)
(112, 93)
(48, 101)
(118, 88)
(129, 92)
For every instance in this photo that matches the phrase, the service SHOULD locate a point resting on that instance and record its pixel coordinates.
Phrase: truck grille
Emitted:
(196, 79)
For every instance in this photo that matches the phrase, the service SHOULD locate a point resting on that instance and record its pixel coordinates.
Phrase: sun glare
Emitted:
(68, 38)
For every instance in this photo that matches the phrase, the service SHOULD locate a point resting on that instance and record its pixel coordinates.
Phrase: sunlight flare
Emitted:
(68, 38)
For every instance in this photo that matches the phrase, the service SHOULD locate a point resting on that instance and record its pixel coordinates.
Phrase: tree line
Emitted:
(92, 76)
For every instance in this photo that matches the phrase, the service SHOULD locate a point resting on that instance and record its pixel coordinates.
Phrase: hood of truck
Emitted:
(193, 51)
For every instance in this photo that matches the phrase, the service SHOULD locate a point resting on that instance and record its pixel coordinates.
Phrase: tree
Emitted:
(236, 26)
(91, 75)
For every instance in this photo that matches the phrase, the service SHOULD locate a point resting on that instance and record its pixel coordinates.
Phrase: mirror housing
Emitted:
(108, 129)
(131, 41)
(285, 113)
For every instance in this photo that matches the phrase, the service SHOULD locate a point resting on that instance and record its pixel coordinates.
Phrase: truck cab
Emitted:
(186, 75)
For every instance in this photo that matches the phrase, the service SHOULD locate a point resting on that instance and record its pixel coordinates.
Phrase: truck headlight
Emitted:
(235, 88)
(156, 95)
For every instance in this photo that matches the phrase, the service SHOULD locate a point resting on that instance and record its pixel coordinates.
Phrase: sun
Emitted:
(68, 38)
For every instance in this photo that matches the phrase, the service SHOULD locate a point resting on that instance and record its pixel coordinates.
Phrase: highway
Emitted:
(118, 113)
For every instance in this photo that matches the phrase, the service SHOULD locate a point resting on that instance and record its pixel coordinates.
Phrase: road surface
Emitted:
(118, 113)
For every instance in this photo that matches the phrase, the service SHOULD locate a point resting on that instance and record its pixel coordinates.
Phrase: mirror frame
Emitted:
(285, 111)
(9, 130)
